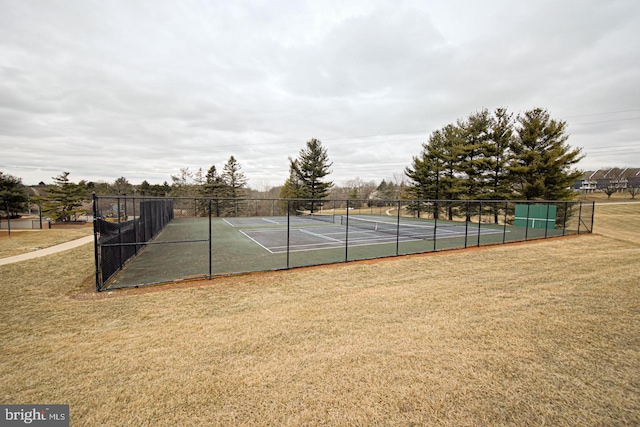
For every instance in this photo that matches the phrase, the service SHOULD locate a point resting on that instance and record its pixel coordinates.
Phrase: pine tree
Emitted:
(214, 187)
(234, 178)
(354, 198)
(543, 161)
(498, 155)
(311, 166)
(235, 182)
(425, 174)
(384, 192)
(292, 189)
(122, 186)
(436, 172)
(64, 199)
(145, 188)
(475, 134)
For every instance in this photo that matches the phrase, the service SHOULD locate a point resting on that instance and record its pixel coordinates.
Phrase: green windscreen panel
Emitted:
(535, 216)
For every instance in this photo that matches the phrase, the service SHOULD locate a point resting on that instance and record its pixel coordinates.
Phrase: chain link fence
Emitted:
(140, 240)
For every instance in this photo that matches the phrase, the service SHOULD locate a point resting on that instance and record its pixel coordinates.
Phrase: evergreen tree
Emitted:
(354, 198)
(122, 186)
(215, 187)
(64, 199)
(475, 134)
(449, 147)
(100, 188)
(383, 192)
(310, 168)
(292, 189)
(155, 190)
(425, 175)
(543, 161)
(436, 172)
(234, 178)
(498, 157)
(12, 194)
(145, 188)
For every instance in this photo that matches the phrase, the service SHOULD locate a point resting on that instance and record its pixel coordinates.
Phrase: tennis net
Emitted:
(317, 217)
(412, 231)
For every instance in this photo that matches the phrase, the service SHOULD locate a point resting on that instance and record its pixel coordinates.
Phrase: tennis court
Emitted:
(308, 233)
(167, 240)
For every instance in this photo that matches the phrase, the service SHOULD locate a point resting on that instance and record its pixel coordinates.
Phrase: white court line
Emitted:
(315, 246)
(225, 220)
(268, 230)
(360, 238)
(320, 236)
(270, 221)
(255, 241)
(307, 247)
(443, 229)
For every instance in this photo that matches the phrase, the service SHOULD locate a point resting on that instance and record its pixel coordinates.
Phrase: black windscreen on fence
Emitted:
(142, 241)
(122, 228)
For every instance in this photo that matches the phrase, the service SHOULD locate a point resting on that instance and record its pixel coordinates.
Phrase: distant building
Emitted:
(602, 179)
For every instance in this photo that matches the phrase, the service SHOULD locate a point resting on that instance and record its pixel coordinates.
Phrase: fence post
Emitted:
(210, 247)
(579, 217)
(504, 226)
(466, 225)
(526, 223)
(436, 214)
(8, 220)
(546, 223)
(96, 238)
(564, 220)
(288, 229)
(479, 222)
(346, 236)
(398, 228)
(593, 215)
(120, 234)
(135, 226)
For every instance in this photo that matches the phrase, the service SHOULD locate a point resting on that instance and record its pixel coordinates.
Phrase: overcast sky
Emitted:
(140, 89)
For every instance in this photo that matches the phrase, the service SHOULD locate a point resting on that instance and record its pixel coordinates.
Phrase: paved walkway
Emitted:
(47, 251)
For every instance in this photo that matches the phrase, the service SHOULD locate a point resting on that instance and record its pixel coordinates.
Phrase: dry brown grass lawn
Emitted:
(20, 242)
(543, 333)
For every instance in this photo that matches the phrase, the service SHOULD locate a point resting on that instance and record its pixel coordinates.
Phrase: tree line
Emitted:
(496, 156)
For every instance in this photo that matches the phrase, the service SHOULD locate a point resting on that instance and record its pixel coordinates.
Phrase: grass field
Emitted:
(542, 333)
(20, 242)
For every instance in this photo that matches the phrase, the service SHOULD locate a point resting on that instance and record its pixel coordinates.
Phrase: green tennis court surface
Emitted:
(309, 235)
(181, 250)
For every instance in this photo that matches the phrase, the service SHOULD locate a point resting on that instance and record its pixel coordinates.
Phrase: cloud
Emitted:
(142, 89)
